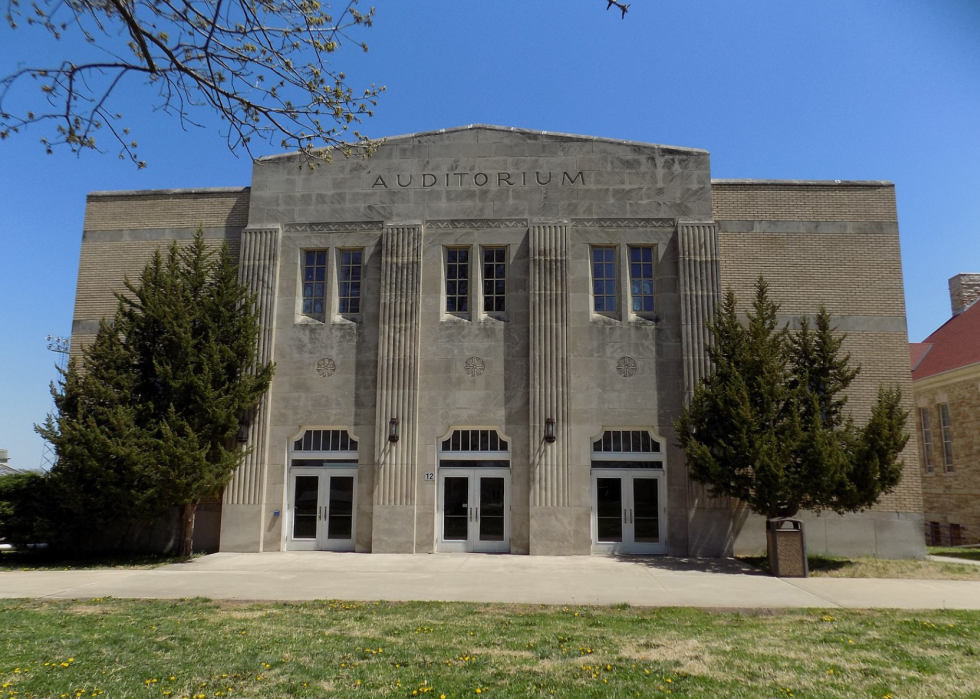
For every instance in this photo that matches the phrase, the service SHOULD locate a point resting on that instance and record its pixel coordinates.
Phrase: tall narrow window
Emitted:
(494, 280)
(349, 286)
(641, 278)
(926, 432)
(947, 434)
(604, 279)
(314, 282)
(458, 280)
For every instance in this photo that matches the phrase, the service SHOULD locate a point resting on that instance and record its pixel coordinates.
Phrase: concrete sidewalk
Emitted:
(580, 580)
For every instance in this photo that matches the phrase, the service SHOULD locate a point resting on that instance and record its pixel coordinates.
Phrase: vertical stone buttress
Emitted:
(398, 382)
(259, 270)
(548, 346)
(700, 278)
(709, 519)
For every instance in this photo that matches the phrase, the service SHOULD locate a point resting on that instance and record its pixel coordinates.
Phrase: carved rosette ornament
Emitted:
(626, 366)
(474, 367)
(325, 367)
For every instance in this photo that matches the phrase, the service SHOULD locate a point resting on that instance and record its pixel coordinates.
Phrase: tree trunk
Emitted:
(187, 529)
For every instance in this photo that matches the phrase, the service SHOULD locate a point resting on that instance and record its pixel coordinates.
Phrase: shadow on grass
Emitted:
(50, 560)
(816, 564)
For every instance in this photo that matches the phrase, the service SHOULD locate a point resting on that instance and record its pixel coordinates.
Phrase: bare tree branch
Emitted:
(260, 65)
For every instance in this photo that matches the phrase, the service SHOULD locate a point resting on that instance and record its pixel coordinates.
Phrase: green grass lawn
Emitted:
(867, 567)
(200, 650)
(970, 554)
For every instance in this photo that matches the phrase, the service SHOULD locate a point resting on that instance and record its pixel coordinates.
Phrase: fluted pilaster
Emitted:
(259, 270)
(700, 279)
(398, 363)
(549, 363)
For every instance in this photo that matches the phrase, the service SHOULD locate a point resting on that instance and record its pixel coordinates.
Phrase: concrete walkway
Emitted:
(579, 580)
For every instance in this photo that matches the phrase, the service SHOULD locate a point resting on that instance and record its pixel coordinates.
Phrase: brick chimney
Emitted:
(964, 289)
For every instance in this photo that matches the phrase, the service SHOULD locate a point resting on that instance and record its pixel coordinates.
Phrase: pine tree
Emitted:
(173, 377)
(770, 427)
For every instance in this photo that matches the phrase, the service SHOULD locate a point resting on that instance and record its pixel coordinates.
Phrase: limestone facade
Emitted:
(528, 321)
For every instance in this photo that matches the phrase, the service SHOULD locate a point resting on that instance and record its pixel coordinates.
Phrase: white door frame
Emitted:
(472, 543)
(321, 542)
(626, 477)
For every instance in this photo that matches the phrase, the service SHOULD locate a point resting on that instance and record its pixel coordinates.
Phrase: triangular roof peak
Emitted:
(494, 132)
(535, 133)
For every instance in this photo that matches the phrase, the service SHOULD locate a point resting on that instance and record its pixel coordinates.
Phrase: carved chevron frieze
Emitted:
(477, 223)
(345, 227)
(624, 222)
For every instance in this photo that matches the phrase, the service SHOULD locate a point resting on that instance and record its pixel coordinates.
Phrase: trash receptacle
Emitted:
(787, 548)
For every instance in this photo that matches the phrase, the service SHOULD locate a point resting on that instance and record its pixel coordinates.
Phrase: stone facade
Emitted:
(540, 421)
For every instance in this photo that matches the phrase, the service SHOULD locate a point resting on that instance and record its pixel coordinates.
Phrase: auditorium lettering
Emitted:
(426, 180)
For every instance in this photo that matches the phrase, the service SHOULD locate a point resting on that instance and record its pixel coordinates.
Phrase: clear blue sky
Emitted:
(845, 89)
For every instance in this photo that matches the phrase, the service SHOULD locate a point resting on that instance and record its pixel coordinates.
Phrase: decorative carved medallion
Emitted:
(626, 366)
(325, 367)
(475, 366)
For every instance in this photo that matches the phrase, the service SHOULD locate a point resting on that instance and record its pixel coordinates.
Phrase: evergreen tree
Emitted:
(769, 426)
(164, 390)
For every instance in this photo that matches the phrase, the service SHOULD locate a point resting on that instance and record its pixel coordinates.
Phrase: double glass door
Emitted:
(627, 511)
(474, 510)
(321, 504)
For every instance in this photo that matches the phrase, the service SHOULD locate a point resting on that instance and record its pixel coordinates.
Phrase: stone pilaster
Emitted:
(700, 280)
(398, 382)
(242, 524)
(709, 519)
(551, 525)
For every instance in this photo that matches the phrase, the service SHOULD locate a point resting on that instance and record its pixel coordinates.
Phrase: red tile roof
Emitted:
(955, 344)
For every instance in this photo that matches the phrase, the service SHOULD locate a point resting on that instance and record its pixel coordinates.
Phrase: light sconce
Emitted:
(242, 436)
(393, 429)
(549, 430)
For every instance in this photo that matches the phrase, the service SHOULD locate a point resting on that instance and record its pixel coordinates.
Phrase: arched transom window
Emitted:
(324, 447)
(627, 449)
(474, 440)
(473, 448)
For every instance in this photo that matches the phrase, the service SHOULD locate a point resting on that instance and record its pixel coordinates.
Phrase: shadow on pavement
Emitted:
(728, 566)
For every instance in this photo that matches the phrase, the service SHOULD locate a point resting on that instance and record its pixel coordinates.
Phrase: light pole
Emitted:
(61, 346)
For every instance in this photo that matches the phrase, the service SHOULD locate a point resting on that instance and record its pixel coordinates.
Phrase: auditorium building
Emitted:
(482, 336)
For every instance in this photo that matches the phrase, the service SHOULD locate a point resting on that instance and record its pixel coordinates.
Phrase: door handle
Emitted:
(477, 518)
(319, 513)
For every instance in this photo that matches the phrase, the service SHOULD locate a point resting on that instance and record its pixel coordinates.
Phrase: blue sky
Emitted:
(852, 89)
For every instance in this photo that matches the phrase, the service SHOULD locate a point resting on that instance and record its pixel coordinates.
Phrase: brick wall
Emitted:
(103, 265)
(106, 211)
(770, 201)
(851, 274)
(951, 497)
(858, 276)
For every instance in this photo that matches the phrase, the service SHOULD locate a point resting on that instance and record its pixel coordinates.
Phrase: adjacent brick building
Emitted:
(482, 337)
(946, 382)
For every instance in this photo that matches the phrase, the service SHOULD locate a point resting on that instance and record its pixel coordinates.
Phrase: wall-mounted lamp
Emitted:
(549, 430)
(242, 435)
(393, 429)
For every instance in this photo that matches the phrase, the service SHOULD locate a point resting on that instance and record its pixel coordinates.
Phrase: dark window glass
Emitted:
(455, 511)
(349, 292)
(491, 514)
(646, 511)
(304, 507)
(457, 280)
(340, 520)
(609, 509)
(641, 278)
(604, 279)
(494, 279)
(314, 275)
